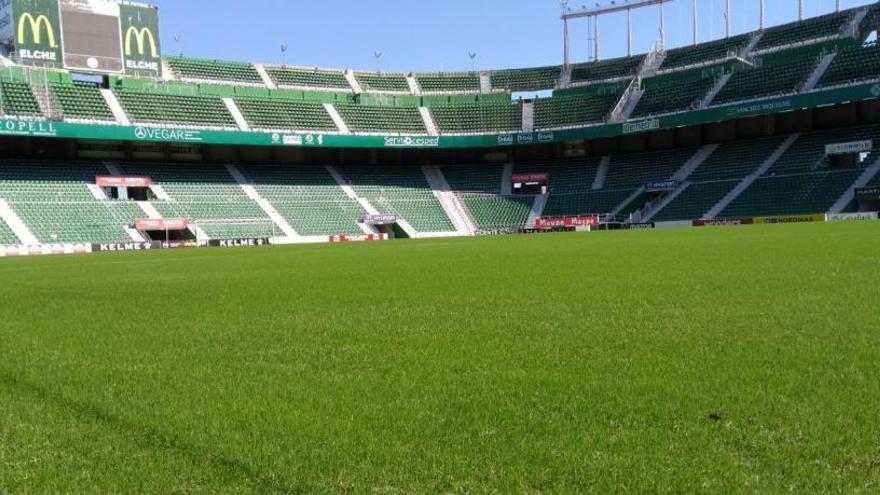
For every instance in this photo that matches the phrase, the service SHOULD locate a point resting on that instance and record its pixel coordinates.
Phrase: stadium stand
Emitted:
(695, 200)
(52, 199)
(17, 99)
(164, 108)
(382, 119)
(853, 64)
(308, 198)
(285, 113)
(791, 194)
(449, 82)
(7, 236)
(704, 52)
(208, 196)
(479, 189)
(400, 191)
(372, 81)
(676, 92)
(573, 108)
(606, 69)
(779, 73)
(309, 78)
(214, 70)
(536, 79)
(82, 100)
(826, 26)
(478, 118)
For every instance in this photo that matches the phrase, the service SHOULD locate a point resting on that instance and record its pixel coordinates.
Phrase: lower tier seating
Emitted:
(585, 203)
(209, 197)
(308, 198)
(474, 178)
(400, 191)
(52, 199)
(695, 200)
(7, 236)
(793, 194)
(498, 212)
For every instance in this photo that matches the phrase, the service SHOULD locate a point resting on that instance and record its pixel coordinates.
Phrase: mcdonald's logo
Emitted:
(141, 36)
(36, 24)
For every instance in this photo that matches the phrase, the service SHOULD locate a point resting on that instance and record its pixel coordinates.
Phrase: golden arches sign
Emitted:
(141, 36)
(36, 24)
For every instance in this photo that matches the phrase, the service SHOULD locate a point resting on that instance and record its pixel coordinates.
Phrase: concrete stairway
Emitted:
(251, 192)
(115, 107)
(15, 223)
(267, 80)
(337, 119)
(449, 201)
(240, 121)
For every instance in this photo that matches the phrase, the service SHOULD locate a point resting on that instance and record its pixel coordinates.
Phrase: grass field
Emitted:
(698, 360)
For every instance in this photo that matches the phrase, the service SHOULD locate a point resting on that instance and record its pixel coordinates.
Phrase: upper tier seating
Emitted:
(308, 198)
(7, 236)
(478, 118)
(382, 82)
(283, 113)
(309, 78)
(606, 69)
(705, 52)
(871, 21)
(53, 201)
(808, 29)
(571, 109)
(779, 75)
(536, 79)
(206, 193)
(400, 191)
(674, 92)
(163, 108)
(852, 65)
(214, 70)
(381, 119)
(82, 100)
(449, 82)
(16, 98)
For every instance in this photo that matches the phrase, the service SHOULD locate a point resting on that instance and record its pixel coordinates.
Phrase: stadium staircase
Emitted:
(479, 190)
(716, 88)
(485, 83)
(537, 210)
(750, 179)
(49, 105)
(365, 203)
(270, 211)
(240, 121)
(261, 70)
(337, 118)
(16, 226)
(463, 223)
(528, 116)
(428, 119)
(864, 179)
(819, 71)
(601, 173)
(115, 107)
(413, 84)
(353, 82)
(651, 208)
(506, 179)
(627, 103)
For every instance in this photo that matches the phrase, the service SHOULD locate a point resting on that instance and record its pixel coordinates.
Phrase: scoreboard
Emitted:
(93, 36)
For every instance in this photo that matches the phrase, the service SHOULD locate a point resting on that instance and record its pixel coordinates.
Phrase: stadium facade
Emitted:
(113, 145)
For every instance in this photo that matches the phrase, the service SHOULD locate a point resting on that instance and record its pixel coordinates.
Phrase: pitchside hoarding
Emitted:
(100, 36)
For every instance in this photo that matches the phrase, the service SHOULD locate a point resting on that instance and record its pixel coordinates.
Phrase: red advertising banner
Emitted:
(357, 238)
(161, 224)
(724, 222)
(107, 181)
(530, 178)
(554, 223)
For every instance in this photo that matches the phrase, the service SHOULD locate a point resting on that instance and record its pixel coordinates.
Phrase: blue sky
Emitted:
(419, 35)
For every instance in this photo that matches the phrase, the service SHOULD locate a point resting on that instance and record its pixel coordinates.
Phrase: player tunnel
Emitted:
(165, 229)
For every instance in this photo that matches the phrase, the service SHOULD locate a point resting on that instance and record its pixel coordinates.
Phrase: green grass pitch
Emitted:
(716, 360)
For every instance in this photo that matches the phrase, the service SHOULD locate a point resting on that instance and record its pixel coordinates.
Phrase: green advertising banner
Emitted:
(37, 32)
(140, 40)
(64, 130)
